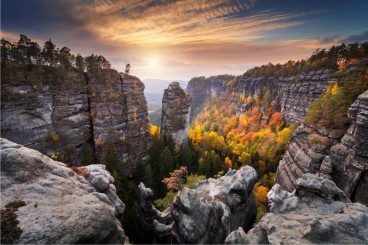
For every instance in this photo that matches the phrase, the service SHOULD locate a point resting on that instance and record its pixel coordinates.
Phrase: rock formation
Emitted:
(322, 151)
(59, 205)
(156, 225)
(62, 115)
(175, 113)
(316, 212)
(208, 213)
(119, 115)
(215, 208)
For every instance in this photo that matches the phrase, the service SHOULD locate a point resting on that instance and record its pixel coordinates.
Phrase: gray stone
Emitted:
(316, 212)
(61, 206)
(175, 113)
(214, 208)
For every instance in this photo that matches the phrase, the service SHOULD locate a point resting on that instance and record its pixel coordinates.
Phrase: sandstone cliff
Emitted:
(318, 212)
(53, 203)
(343, 157)
(58, 117)
(175, 113)
(290, 95)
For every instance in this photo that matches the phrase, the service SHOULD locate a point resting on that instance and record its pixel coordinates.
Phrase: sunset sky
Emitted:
(178, 40)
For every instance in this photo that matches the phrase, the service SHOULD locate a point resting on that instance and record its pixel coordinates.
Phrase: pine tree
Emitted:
(148, 177)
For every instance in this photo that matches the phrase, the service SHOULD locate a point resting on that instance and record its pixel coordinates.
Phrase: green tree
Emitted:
(148, 179)
(49, 53)
(79, 62)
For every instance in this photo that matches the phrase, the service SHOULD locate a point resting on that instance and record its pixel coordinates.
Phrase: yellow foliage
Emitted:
(283, 136)
(245, 159)
(99, 142)
(334, 89)
(154, 129)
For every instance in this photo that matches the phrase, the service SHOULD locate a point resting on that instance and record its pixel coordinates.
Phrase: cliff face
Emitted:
(49, 118)
(119, 115)
(290, 95)
(175, 113)
(60, 116)
(56, 204)
(322, 151)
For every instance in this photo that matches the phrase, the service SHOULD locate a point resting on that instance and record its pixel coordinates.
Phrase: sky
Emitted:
(178, 40)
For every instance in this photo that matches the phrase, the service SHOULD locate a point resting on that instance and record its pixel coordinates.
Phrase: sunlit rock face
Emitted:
(176, 105)
(316, 212)
(58, 117)
(61, 205)
(337, 155)
(208, 213)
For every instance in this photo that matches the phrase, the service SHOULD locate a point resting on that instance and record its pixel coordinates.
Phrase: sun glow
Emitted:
(153, 62)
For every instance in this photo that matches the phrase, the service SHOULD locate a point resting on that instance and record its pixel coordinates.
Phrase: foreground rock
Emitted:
(155, 225)
(208, 213)
(340, 156)
(316, 212)
(59, 205)
(175, 113)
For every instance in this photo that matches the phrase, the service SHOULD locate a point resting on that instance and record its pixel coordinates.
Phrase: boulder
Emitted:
(60, 204)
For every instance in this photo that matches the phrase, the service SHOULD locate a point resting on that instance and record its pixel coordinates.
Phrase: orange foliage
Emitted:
(81, 171)
(261, 194)
(276, 120)
(228, 162)
(177, 178)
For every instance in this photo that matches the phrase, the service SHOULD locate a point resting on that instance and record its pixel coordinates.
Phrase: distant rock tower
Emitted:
(175, 113)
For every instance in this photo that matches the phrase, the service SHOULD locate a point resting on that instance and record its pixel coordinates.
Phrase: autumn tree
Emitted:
(177, 179)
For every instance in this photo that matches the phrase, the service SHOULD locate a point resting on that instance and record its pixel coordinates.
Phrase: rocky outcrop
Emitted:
(316, 212)
(61, 205)
(216, 207)
(206, 214)
(155, 225)
(331, 153)
(59, 117)
(175, 113)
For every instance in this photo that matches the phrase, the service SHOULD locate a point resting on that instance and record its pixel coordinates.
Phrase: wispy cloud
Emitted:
(177, 22)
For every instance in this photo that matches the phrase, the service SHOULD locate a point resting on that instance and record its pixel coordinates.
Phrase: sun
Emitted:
(153, 62)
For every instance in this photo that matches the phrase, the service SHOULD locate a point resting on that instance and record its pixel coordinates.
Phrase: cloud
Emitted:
(361, 37)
